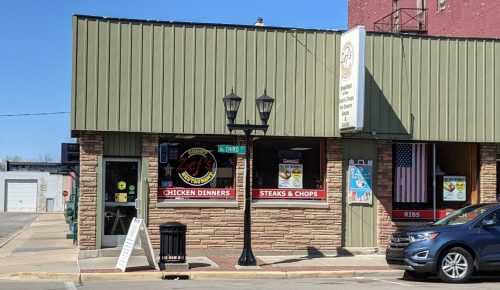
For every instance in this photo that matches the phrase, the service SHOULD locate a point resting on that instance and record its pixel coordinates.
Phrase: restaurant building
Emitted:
(147, 107)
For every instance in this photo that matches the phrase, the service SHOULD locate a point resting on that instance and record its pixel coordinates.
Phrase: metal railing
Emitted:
(405, 20)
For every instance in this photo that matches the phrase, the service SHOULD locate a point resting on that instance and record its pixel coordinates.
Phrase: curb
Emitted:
(380, 273)
(120, 276)
(321, 274)
(238, 275)
(39, 276)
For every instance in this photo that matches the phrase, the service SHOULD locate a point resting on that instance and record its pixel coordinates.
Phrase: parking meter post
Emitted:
(71, 211)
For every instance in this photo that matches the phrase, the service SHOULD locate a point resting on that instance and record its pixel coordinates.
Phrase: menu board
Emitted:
(360, 184)
(290, 176)
(454, 188)
(137, 227)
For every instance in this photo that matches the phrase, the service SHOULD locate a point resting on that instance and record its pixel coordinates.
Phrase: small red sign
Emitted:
(65, 193)
(273, 193)
(168, 193)
(419, 214)
(425, 214)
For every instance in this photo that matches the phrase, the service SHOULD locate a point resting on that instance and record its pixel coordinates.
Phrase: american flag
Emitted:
(411, 173)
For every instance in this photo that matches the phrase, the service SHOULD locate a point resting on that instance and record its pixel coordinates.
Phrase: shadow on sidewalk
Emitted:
(312, 253)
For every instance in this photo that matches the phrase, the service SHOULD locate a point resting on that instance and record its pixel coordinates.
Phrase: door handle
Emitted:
(137, 204)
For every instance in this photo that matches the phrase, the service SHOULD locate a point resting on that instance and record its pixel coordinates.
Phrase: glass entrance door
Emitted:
(121, 199)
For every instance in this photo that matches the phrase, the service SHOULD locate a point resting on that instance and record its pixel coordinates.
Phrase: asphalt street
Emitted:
(358, 283)
(12, 222)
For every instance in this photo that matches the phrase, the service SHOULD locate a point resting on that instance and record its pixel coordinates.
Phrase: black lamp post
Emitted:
(264, 105)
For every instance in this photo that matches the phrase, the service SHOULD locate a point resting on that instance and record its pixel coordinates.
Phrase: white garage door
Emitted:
(21, 195)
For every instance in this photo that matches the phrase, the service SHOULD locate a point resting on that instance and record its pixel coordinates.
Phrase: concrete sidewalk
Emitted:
(42, 252)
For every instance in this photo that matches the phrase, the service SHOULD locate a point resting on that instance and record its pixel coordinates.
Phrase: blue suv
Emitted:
(453, 247)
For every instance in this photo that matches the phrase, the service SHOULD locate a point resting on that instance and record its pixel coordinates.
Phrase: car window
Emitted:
(493, 216)
(464, 215)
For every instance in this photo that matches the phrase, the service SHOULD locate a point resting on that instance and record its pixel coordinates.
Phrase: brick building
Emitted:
(441, 17)
(147, 107)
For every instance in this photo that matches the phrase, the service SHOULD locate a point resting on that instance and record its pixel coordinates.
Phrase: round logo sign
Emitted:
(296, 173)
(346, 60)
(197, 166)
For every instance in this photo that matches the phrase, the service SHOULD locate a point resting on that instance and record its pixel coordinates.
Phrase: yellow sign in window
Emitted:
(120, 197)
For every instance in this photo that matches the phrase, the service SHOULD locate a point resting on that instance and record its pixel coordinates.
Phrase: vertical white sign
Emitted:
(352, 80)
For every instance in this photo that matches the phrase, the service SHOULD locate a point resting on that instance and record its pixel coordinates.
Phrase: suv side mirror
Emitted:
(488, 223)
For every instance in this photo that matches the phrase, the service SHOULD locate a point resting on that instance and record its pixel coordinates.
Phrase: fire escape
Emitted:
(404, 20)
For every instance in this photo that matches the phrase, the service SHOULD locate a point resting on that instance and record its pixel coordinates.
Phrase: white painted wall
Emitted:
(49, 186)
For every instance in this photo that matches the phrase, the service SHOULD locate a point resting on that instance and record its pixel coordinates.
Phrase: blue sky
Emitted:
(35, 54)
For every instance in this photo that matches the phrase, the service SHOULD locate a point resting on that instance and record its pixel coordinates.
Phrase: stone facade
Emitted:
(333, 188)
(273, 229)
(384, 189)
(91, 146)
(487, 174)
(276, 228)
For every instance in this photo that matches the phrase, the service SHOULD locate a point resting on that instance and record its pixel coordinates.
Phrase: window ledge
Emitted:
(197, 203)
(409, 223)
(290, 204)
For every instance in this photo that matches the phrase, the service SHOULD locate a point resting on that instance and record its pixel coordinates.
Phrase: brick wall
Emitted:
(363, 12)
(488, 173)
(465, 18)
(459, 18)
(272, 228)
(91, 146)
(384, 190)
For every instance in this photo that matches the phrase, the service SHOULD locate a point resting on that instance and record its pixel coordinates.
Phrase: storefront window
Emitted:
(455, 179)
(288, 168)
(192, 168)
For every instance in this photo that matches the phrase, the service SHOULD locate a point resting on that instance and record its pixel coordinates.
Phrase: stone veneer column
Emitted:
(488, 173)
(91, 146)
(149, 149)
(240, 173)
(384, 193)
(334, 189)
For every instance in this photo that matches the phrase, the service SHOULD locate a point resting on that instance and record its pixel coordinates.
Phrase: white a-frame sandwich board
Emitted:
(137, 227)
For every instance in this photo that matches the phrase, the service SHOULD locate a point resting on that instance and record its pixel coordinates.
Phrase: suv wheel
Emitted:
(455, 266)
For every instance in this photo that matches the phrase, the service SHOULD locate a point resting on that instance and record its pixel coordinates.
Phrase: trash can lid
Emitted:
(172, 224)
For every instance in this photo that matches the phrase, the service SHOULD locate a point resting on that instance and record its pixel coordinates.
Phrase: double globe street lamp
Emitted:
(264, 105)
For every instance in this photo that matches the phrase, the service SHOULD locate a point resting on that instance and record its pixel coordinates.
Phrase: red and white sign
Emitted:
(419, 214)
(167, 193)
(65, 193)
(262, 193)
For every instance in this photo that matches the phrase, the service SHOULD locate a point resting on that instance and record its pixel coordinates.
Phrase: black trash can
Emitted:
(172, 243)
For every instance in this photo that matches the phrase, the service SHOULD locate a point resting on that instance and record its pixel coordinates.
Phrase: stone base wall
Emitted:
(272, 228)
(384, 190)
(488, 173)
(91, 146)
